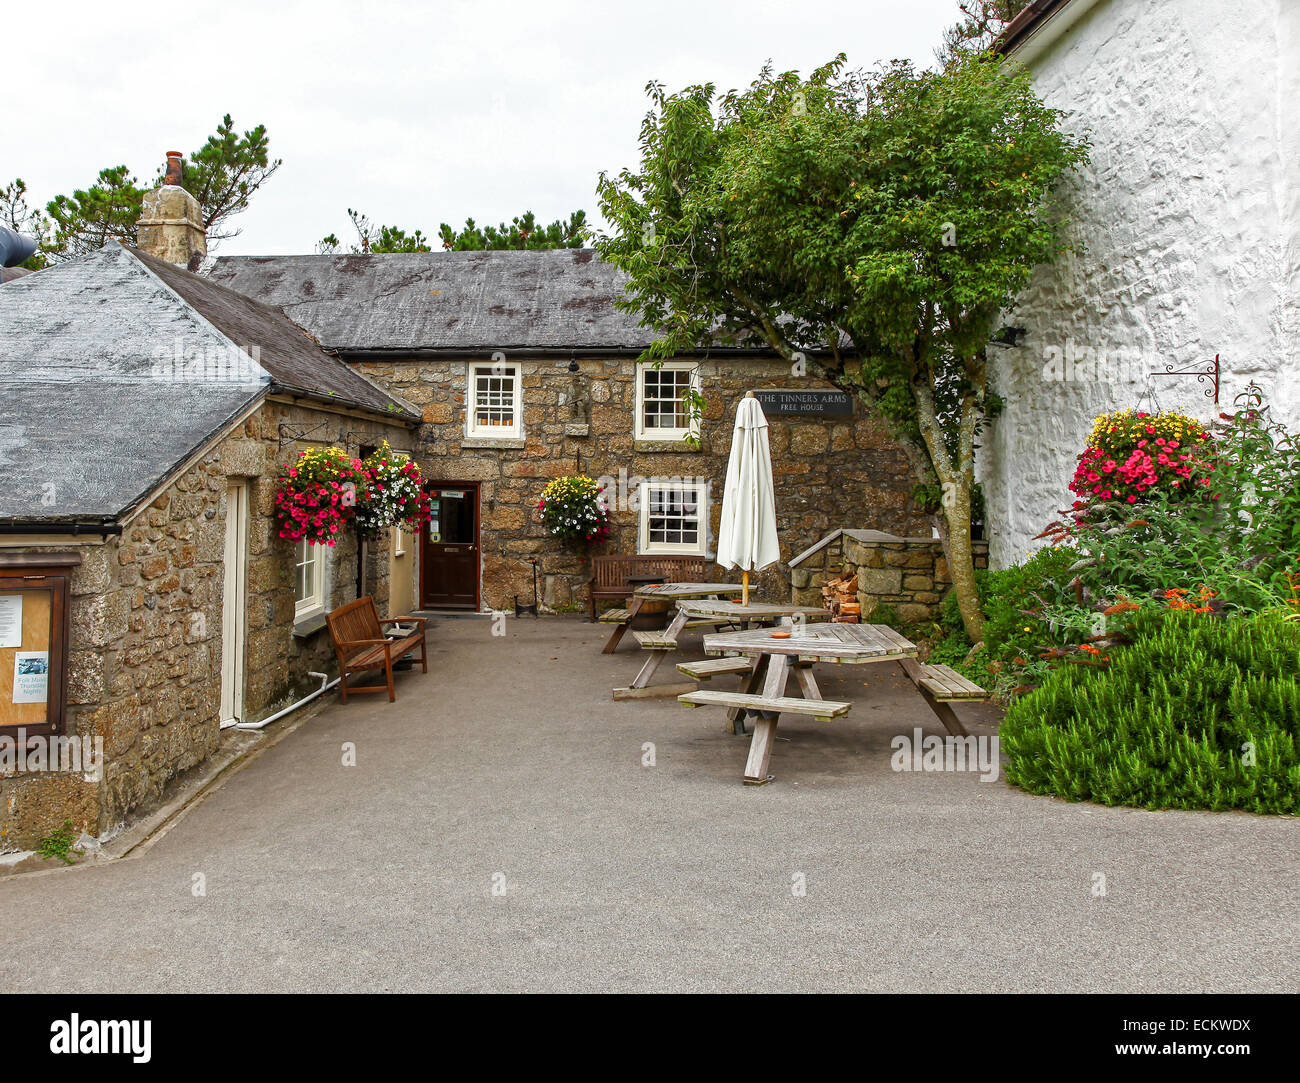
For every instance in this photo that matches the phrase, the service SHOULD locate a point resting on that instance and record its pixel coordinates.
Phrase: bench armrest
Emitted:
(421, 621)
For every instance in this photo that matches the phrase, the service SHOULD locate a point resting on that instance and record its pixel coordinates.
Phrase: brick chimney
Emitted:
(171, 220)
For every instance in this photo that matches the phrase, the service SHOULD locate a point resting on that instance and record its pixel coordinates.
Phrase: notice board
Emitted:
(33, 642)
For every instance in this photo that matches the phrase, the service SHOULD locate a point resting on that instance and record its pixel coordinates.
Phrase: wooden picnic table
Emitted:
(673, 592)
(773, 660)
(711, 612)
(726, 609)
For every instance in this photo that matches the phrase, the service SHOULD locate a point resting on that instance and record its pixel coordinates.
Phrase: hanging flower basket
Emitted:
(1129, 454)
(574, 510)
(317, 496)
(393, 494)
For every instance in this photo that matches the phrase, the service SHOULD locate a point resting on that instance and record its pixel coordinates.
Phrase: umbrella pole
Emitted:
(744, 595)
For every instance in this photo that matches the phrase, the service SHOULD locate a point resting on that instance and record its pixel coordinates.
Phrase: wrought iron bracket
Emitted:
(292, 433)
(1209, 373)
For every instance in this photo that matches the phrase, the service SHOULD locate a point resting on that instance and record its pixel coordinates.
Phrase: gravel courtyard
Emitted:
(509, 768)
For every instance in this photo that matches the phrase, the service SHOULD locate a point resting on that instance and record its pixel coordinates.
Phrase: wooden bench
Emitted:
(611, 574)
(939, 686)
(655, 641)
(946, 685)
(715, 667)
(360, 644)
(821, 709)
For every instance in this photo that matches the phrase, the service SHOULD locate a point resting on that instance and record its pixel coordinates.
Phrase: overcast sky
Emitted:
(415, 113)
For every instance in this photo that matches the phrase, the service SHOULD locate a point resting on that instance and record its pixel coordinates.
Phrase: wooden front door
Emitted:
(450, 565)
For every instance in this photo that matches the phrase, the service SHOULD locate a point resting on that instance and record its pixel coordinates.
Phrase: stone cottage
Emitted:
(146, 600)
(1189, 217)
(524, 370)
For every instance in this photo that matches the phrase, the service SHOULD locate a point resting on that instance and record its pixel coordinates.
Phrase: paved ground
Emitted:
(510, 760)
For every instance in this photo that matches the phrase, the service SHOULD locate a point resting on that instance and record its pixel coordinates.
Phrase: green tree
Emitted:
(884, 221)
(91, 217)
(375, 239)
(981, 25)
(22, 218)
(522, 233)
(226, 172)
(223, 175)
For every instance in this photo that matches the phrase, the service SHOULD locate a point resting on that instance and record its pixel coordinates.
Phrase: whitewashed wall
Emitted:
(1190, 214)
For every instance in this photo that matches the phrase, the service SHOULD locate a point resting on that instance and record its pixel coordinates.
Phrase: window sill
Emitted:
(494, 441)
(676, 447)
(307, 625)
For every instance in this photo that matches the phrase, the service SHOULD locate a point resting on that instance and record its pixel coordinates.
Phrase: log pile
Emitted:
(841, 598)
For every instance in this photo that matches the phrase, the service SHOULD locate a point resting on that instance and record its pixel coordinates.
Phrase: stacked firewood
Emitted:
(841, 598)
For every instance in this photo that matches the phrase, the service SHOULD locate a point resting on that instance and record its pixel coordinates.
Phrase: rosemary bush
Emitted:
(1199, 711)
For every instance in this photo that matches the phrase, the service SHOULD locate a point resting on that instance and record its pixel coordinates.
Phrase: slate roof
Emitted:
(292, 357)
(115, 367)
(556, 299)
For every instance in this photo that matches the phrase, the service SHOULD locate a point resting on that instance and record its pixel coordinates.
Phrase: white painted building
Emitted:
(1190, 218)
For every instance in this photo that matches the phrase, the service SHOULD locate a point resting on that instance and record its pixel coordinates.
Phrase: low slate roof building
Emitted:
(525, 369)
(147, 416)
(452, 301)
(113, 368)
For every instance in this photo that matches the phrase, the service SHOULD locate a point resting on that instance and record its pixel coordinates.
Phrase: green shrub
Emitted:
(886, 614)
(1009, 594)
(1239, 542)
(1016, 629)
(1167, 724)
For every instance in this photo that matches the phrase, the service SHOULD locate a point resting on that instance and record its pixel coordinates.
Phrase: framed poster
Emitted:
(34, 613)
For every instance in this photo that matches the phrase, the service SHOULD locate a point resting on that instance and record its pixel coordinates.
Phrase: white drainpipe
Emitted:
(293, 706)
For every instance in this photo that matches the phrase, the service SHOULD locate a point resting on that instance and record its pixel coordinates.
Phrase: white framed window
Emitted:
(309, 581)
(662, 412)
(494, 400)
(674, 517)
(399, 539)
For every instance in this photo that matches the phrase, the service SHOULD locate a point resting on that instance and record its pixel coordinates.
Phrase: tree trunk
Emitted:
(961, 563)
(957, 479)
(927, 455)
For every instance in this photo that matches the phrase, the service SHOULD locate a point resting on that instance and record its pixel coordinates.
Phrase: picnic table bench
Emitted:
(666, 592)
(694, 610)
(615, 575)
(360, 644)
(772, 660)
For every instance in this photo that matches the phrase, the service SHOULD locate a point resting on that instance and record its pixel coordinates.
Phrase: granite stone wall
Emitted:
(144, 667)
(910, 575)
(828, 470)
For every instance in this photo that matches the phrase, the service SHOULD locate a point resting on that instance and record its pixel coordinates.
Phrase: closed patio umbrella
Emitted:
(747, 533)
